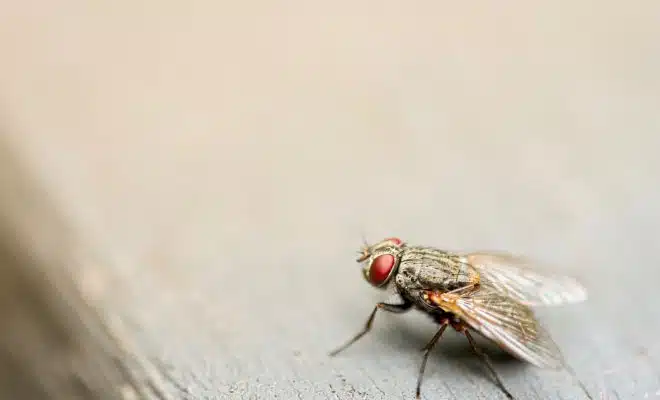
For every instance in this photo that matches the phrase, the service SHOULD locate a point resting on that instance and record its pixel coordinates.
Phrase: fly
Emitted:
(489, 293)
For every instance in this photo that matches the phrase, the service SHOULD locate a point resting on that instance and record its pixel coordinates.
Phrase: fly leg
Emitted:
(393, 308)
(427, 350)
(447, 301)
(461, 327)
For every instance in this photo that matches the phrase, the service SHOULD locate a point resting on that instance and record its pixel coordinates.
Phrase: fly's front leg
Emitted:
(393, 308)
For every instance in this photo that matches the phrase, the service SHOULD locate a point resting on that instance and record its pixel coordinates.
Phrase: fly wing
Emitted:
(516, 278)
(510, 324)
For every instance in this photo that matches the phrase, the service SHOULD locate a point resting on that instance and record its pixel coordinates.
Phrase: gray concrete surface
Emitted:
(226, 159)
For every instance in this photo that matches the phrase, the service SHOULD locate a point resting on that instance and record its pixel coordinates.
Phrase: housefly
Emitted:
(490, 293)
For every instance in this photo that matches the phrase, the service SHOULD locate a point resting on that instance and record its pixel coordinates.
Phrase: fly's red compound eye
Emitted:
(380, 268)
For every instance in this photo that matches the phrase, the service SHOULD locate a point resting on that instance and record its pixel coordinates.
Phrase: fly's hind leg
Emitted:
(447, 302)
(393, 308)
(460, 326)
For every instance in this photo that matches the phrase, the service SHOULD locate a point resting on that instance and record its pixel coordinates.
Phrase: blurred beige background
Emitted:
(227, 158)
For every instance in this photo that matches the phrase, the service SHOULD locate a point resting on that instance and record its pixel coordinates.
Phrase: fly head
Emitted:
(381, 260)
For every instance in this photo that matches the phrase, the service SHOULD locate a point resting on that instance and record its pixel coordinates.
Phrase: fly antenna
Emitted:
(364, 239)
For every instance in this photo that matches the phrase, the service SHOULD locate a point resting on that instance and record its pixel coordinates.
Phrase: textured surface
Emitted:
(227, 160)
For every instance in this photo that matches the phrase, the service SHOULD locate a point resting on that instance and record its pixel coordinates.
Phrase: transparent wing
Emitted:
(510, 324)
(515, 277)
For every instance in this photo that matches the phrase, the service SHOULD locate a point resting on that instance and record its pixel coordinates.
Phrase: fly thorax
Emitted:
(431, 269)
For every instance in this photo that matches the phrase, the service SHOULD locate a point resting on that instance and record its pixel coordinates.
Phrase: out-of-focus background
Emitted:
(226, 159)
